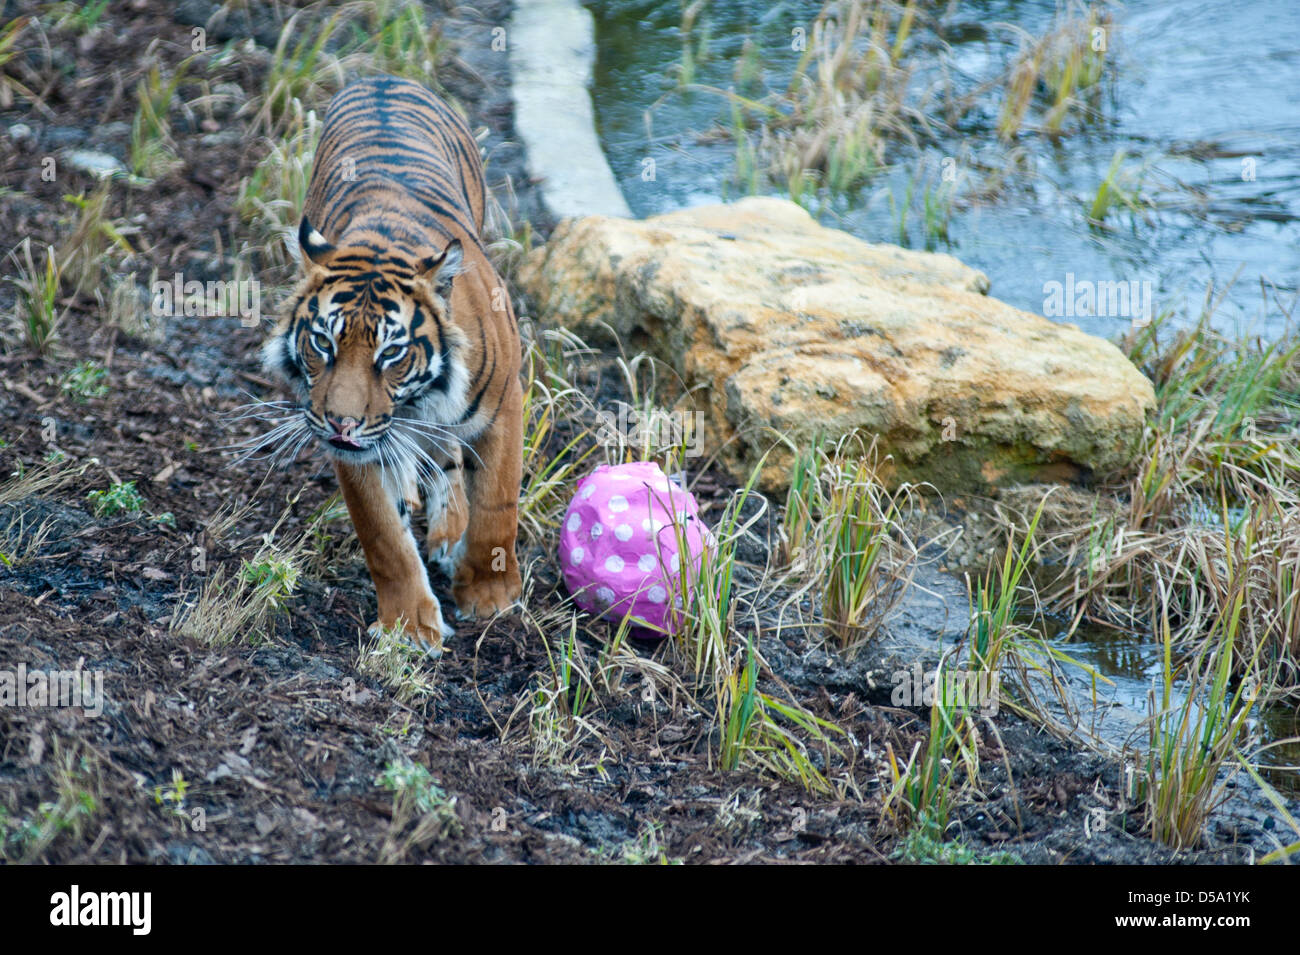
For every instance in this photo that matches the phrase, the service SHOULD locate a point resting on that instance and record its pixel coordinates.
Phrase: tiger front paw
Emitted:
(481, 591)
(419, 616)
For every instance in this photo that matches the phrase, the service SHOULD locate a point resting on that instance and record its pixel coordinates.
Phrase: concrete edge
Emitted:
(552, 53)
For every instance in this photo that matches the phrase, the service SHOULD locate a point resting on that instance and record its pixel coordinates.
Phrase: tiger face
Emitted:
(370, 347)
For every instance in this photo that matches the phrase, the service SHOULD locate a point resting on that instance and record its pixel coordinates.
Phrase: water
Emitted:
(1202, 98)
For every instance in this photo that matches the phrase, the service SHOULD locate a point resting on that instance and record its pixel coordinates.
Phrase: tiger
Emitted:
(403, 352)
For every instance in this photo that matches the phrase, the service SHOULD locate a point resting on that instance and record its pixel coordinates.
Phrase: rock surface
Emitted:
(779, 325)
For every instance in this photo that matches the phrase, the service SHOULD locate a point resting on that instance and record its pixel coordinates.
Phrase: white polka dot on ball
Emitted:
(657, 594)
(646, 563)
(623, 532)
(605, 595)
(576, 555)
(614, 564)
(675, 564)
(596, 530)
(589, 490)
(575, 521)
(618, 503)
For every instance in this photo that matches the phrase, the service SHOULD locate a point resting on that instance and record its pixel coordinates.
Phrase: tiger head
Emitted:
(370, 342)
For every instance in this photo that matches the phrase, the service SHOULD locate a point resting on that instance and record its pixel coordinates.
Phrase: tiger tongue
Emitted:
(340, 441)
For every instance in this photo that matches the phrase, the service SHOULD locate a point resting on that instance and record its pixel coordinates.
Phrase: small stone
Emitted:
(95, 163)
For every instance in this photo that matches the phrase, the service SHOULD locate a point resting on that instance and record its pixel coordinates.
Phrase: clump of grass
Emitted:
(557, 719)
(82, 18)
(647, 848)
(926, 787)
(153, 150)
(868, 555)
(1210, 509)
(303, 71)
(244, 604)
(77, 798)
(848, 537)
(695, 42)
(1120, 189)
(562, 699)
(422, 811)
(849, 97)
(20, 543)
(120, 497)
(314, 54)
(1063, 69)
(128, 307)
(925, 844)
(1193, 743)
(555, 448)
(395, 38)
(35, 308)
(756, 729)
(270, 200)
(11, 61)
(325, 548)
(27, 482)
(85, 252)
(1008, 652)
(88, 380)
(171, 794)
(392, 660)
(273, 576)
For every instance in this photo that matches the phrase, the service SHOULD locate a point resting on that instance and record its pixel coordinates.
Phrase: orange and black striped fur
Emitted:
(404, 352)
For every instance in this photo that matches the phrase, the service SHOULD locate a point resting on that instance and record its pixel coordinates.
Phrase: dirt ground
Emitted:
(280, 743)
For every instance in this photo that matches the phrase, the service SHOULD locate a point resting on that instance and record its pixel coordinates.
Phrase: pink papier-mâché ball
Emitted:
(619, 544)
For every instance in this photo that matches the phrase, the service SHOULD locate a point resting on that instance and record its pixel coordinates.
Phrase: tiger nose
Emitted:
(343, 427)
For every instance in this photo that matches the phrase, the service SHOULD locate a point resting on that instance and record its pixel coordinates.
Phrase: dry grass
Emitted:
(1063, 69)
(244, 604)
(877, 77)
(850, 98)
(390, 658)
(1209, 510)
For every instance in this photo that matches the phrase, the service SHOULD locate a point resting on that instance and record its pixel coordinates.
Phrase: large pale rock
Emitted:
(781, 325)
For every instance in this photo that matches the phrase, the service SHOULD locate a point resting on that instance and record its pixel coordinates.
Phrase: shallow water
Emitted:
(1133, 666)
(1202, 97)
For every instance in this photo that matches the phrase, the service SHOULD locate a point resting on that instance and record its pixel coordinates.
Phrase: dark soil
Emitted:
(279, 742)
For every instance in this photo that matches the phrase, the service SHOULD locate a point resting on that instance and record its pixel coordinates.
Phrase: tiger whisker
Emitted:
(428, 429)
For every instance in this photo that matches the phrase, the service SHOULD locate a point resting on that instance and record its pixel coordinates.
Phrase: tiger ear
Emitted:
(313, 244)
(439, 270)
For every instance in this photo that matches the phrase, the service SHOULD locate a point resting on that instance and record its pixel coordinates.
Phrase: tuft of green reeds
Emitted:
(36, 314)
(1061, 70)
(1194, 741)
(849, 538)
(925, 788)
(756, 729)
(153, 150)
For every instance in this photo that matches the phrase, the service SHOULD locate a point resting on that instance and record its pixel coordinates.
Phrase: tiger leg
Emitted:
(401, 581)
(448, 511)
(487, 572)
